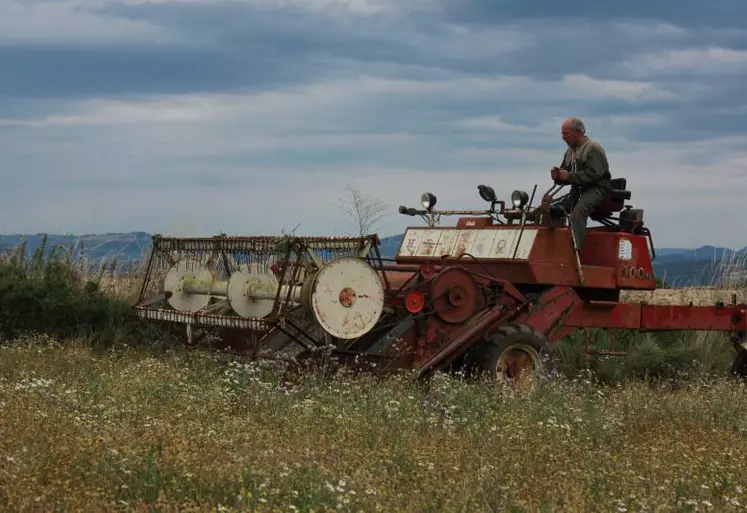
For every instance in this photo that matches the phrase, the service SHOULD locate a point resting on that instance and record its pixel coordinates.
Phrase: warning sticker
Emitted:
(625, 251)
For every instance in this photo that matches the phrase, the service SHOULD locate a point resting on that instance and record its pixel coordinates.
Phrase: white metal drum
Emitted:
(347, 297)
(188, 283)
(252, 293)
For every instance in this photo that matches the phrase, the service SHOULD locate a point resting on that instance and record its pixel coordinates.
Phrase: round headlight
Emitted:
(487, 193)
(428, 200)
(519, 198)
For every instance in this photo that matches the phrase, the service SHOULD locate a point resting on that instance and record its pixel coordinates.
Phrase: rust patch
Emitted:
(461, 248)
(347, 297)
(428, 247)
(517, 365)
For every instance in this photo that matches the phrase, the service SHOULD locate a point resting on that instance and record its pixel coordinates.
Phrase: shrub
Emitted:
(60, 296)
(655, 357)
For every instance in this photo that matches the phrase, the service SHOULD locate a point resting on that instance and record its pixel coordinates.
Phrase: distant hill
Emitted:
(124, 248)
(679, 267)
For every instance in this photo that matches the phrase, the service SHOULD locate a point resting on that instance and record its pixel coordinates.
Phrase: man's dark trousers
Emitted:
(583, 203)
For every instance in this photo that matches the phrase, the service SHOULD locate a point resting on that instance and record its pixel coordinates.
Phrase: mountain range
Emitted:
(678, 267)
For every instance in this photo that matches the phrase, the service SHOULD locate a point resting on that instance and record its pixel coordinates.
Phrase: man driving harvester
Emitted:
(586, 170)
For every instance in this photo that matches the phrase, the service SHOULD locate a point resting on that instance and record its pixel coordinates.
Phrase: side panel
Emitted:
(657, 317)
(634, 268)
(670, 317)
(543, 255)
(553, 260)
(492, 243)
(551, 310)
(554, 246)
(606, 315)
(627, 254)
(600, 248)
(567, 275)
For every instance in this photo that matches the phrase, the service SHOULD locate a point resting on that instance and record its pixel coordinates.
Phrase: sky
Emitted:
(195, 117)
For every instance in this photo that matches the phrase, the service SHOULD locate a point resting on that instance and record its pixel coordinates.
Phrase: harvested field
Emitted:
(696, 296)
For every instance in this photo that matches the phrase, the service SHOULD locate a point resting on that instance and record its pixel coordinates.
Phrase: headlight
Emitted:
(487, 193)
(428, 200)
(519, 198)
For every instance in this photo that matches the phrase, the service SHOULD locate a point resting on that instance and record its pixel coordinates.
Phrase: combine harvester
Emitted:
(487, 295)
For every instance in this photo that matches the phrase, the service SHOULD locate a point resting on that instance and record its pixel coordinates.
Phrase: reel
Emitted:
(345, 295)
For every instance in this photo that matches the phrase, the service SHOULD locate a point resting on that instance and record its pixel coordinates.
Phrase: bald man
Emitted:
(586, 170)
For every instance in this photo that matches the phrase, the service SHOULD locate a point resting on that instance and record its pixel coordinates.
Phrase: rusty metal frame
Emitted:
(255, 249)
(600, 352)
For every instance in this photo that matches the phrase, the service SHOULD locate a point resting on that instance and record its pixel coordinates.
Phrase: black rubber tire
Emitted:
(739, 367)
(486, 356)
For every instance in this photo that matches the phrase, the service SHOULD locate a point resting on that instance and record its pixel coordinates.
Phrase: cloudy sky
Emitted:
(251, 116)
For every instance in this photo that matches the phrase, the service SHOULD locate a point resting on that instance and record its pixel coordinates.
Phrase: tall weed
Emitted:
(59, 294)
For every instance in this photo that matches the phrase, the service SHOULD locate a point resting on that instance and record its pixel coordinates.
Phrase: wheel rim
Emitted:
(517, 364)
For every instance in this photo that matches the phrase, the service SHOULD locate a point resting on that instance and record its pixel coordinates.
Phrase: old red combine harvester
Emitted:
(487, 295)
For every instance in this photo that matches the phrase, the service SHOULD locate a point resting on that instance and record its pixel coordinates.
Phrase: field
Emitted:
(129, 428)
(102, 413)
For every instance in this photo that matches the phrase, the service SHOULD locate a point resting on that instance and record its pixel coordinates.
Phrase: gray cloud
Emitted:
(687, 13)
(150, 112)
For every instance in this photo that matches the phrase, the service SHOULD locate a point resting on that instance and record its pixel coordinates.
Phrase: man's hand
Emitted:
(559, 175)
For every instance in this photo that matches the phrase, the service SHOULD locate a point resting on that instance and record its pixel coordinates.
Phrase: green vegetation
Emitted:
(102, 412)
(130, 429)
(650, 356)
(52, 293)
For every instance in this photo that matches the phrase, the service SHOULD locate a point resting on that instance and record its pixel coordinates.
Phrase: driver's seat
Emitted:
(614, 201)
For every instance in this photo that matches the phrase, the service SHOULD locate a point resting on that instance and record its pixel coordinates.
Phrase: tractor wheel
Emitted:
(513, 354)
(739, 367)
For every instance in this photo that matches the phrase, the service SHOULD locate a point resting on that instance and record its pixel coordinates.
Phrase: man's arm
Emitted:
(592, 172)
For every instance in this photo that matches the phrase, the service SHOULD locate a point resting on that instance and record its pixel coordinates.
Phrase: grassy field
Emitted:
(134, 429)
(102, 413)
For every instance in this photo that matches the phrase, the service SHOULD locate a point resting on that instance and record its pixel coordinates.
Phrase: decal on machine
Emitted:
(637, 273)
(480, 243)
(625, 249)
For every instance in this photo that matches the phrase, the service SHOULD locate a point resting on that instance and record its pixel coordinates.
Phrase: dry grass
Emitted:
(684, 296)
(129, 430)
(726, 280)
(123, 287)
